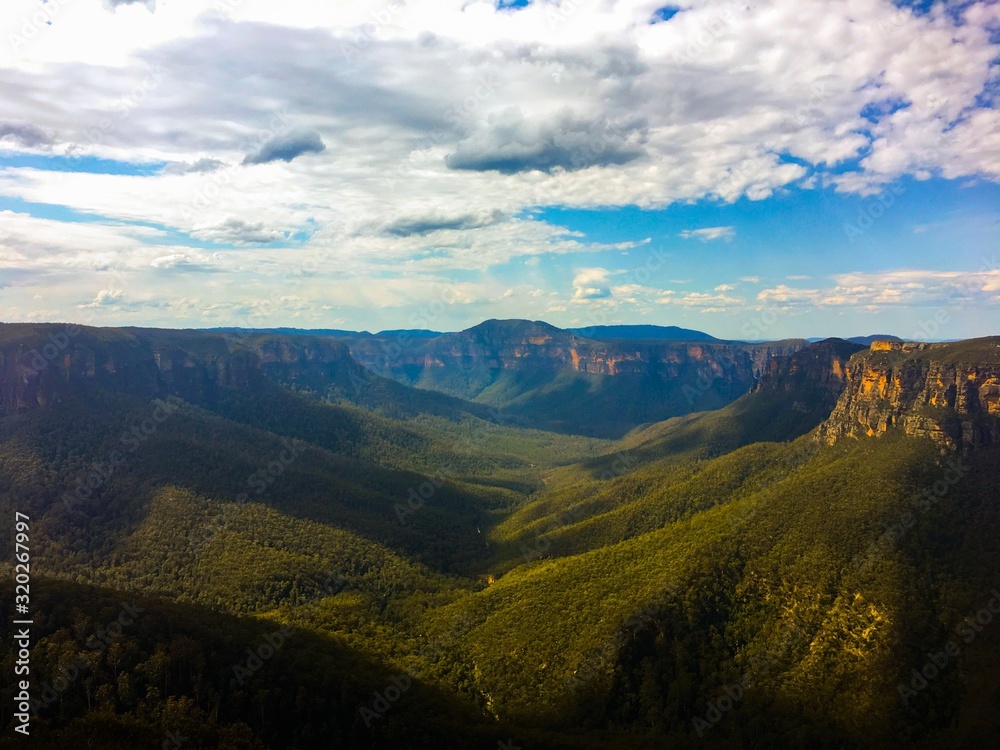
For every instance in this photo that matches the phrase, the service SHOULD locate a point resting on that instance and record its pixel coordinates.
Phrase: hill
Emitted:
(867, 340)
(775, 573)
(671, 333)
(548, 378)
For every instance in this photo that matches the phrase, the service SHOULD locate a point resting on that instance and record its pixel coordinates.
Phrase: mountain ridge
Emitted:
(949, 392)
(582, 594)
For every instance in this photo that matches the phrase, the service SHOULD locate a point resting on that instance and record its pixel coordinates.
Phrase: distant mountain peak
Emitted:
(513, 328)
(867, 340)
(513, 324)
(630, 332)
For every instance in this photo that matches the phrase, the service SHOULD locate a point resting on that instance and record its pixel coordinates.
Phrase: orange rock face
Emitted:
(921, 389)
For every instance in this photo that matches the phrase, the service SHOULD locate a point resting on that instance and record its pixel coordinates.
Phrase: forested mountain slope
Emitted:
(562, 380)
(768, 574)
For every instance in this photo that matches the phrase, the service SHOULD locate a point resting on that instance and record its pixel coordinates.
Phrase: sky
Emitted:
(755, 170)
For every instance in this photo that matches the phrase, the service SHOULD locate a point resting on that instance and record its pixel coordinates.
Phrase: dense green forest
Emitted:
(301, 554)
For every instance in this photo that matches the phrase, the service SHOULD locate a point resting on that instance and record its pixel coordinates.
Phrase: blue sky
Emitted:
(936, 224)
(752, 171)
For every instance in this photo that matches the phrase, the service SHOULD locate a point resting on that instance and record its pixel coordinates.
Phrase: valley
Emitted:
(512, 533)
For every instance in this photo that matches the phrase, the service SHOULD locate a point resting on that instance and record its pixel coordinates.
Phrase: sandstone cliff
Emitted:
(43, 364)
(543, 376)
(495, 346)
(948, 392)
(819, 369)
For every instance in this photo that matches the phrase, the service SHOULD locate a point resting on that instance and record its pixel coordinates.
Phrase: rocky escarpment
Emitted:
(947, 392)
(529, 347)
(43, 364)
(817, 371)
(550, 378)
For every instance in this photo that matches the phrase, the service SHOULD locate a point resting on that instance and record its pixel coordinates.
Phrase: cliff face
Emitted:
(820, 369)
(948, 392)
(536, 347)
(555, 379)
(42, 364)
(538, 375)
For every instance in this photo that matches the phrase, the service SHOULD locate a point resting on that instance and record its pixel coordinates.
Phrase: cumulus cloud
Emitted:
(787, 294)
(701, 299)
(420, 225)
(240, 232)
(114, 5)
(287, 146)
(707, 234)
(24, 134)
(510, 144)
(182, 262)
(910, 288)
(451, 112)
(106, 298)
(591, 283)
(200, 166)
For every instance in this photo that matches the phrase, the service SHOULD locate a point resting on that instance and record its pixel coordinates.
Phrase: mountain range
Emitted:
(513, 535)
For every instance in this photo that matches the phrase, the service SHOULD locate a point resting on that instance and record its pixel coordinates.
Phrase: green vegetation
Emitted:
(550, 589)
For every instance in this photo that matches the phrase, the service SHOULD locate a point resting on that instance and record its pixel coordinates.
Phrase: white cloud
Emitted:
(899, 288)
(239, 232)
(707, 234)
(591, 283)
(702, 299)
(347, 130)
(106, 298)
(783, 293)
